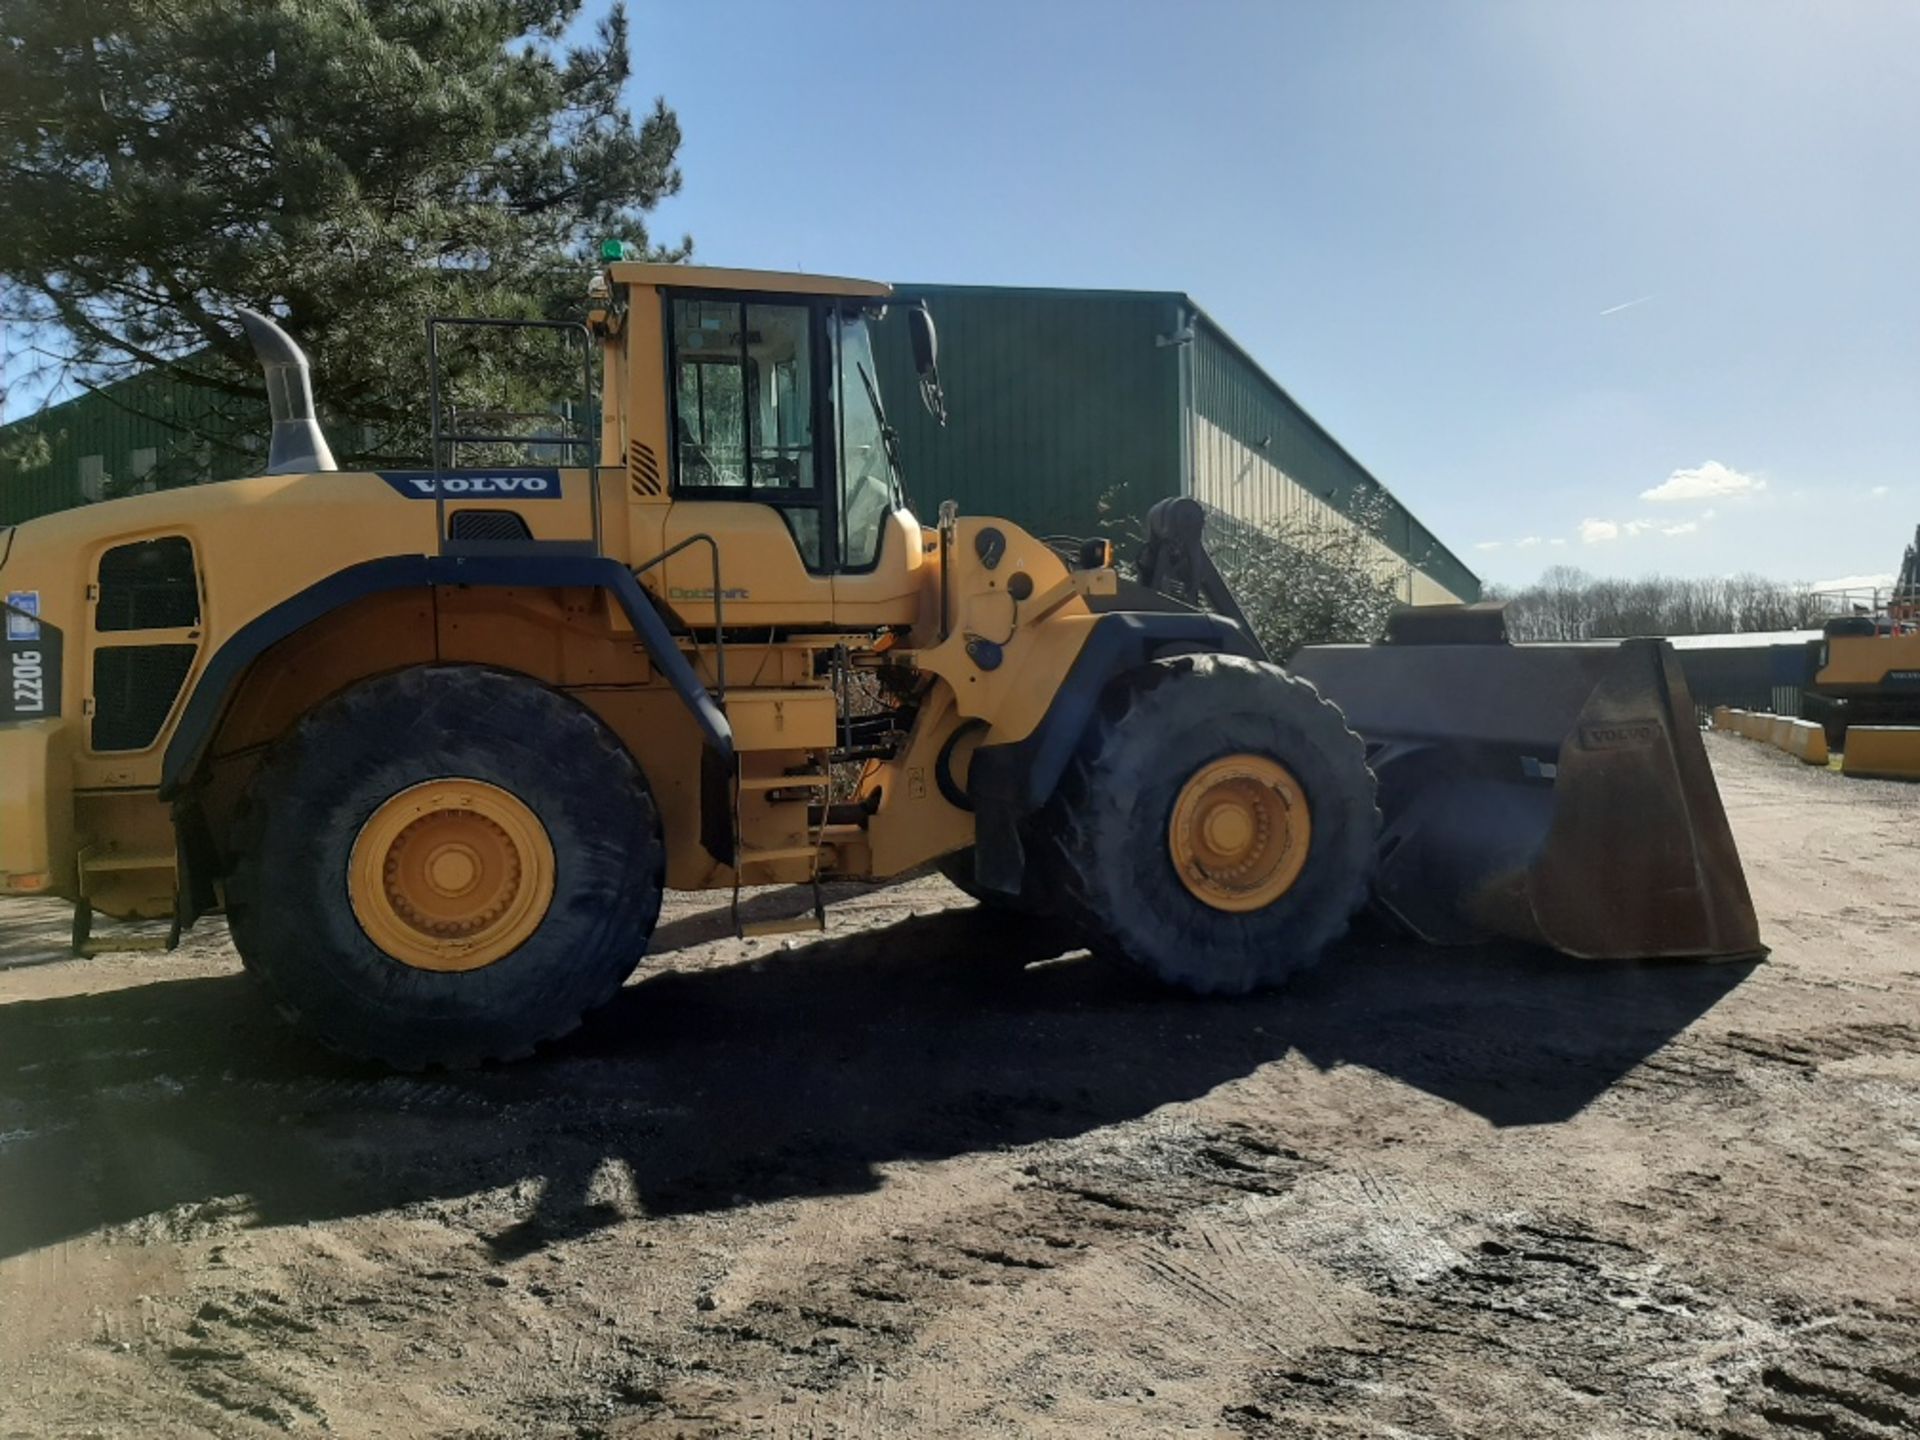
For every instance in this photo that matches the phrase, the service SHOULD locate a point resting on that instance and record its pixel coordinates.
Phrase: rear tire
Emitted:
(292, 901)
(1165, 725)
(958, 870)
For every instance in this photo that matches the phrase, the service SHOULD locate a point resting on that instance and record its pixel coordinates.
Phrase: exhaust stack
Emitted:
(297, 447)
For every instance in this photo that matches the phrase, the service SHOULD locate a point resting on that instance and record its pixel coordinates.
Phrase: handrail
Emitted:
(572, 442)
(719, 614)
(584, 440)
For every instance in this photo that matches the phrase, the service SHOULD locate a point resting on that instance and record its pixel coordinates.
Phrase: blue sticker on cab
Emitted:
(23, 615)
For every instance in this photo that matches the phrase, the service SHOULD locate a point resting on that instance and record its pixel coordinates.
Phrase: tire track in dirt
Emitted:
(1831, 1383)
(870, 1307)
(809, 1348)
(1543, 1315)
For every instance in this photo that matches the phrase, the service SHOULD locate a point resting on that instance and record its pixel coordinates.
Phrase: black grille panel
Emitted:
(487, 525)
(134, 687)
(643, 470)
(148, 586)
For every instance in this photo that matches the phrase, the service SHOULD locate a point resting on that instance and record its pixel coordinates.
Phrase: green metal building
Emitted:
(121, 438)
(1069, 410)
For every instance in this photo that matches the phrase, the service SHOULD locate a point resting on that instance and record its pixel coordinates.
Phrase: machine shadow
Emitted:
(173, 1106)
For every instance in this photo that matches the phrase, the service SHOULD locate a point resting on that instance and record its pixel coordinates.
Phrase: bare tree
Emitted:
(1568, 604)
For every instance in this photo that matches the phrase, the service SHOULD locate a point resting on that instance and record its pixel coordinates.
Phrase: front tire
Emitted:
(1217, 827)
(444, 866)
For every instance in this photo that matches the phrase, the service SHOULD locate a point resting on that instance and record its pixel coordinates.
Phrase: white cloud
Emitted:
(1710, 481)
(1882, 581)
(1524, 543)
(1556, 541)
(1601, 532)
(1708, 514)
(1880, 492)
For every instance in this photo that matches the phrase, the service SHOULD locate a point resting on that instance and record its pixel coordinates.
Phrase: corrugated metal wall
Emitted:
(1055, 398)
(1060, 397)
(51, 460)
(1259, 456)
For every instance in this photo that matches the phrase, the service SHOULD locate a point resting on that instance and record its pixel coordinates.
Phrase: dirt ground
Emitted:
(926, 1177)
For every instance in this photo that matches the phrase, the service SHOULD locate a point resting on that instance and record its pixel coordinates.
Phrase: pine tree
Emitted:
(351, 166)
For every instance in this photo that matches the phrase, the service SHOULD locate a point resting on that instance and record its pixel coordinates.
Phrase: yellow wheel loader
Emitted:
(1866, 668)
(436, 741)
(1865, 672)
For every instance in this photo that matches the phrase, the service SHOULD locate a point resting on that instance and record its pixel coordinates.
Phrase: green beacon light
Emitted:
(611, 250)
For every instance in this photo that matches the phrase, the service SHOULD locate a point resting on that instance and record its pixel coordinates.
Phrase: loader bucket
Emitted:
(1555, 794)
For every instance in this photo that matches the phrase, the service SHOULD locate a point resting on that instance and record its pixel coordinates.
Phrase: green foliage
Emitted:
(1299, 581)
(350, 166)
(1305, 582)
(24, 448)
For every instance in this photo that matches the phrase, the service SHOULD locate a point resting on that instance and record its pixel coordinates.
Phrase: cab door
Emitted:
(747, 412)
(877, 580)
(780, 453)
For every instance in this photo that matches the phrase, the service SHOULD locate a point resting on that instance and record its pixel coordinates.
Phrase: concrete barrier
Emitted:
(1808, 742)
(1721, 718)
(1780, 731)
(1882, 752)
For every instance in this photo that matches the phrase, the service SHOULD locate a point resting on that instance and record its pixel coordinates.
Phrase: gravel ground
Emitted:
(927, 1177)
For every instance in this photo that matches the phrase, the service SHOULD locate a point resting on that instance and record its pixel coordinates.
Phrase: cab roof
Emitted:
(710, 277)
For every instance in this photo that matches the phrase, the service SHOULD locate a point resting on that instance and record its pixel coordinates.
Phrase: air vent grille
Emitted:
(148, 585)
(643, 469)
(134, 687)
(487, 525)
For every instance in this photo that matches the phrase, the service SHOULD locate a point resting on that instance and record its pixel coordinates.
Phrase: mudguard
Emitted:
(395, 572)
(1008, 783)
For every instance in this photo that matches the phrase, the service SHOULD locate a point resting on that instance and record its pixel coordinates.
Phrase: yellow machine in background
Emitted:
(1864, 676)
(1865, 690)
(437, 740)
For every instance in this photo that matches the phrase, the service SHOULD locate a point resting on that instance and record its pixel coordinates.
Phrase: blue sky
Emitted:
(1627, 286)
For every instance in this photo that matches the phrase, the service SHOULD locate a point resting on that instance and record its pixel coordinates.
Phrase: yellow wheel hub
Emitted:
(1239, 834)
(451, 875)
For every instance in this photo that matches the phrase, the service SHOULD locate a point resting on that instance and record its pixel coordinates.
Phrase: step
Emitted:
(127, 860)
(125, 944)
(785, 782)
(750, 855)
(792, 925)
(783, 718)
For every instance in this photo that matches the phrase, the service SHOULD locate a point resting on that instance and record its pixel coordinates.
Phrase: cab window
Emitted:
(744, 408)
(867, 491)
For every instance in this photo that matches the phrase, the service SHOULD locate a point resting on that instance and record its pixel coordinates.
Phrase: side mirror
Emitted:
(926, 344)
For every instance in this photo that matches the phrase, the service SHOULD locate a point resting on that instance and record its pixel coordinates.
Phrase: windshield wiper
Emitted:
(889, 437)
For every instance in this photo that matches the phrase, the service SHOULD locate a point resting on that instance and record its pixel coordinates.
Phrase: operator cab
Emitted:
(775, 402)
(758, 389)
